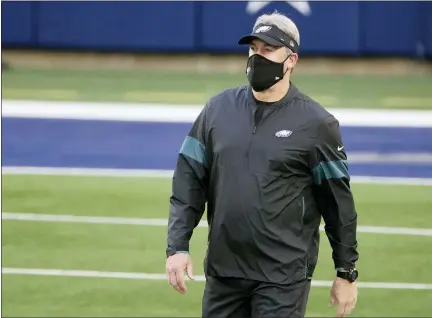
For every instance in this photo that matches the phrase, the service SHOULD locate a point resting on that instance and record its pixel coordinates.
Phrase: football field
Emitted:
(126, 247)
(85, 198)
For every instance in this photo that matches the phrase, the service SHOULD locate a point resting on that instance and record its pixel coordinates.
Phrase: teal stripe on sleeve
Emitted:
(194, 149)
(330, 170)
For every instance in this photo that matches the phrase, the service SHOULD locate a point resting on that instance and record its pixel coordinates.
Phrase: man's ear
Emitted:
(293, 60)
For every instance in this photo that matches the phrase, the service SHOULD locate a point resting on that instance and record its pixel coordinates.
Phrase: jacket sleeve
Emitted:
(189, 187)
(333, 194)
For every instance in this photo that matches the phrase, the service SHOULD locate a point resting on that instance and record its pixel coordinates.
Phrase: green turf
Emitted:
(61, 297)
(133, 248)
(405, 206)
(137, 248)
(186, 88)
(98, 196)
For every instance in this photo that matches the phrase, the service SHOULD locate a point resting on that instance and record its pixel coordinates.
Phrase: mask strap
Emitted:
(283, 63)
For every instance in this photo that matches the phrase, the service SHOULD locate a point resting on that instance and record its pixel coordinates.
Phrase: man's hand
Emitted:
(344, 295)
(176, 265)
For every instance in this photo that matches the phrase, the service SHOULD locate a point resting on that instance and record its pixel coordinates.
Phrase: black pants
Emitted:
(241, 298)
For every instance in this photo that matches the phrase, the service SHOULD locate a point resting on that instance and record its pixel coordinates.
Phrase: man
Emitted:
(269, 162)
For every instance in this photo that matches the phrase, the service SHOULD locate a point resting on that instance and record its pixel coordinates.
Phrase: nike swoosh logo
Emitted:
(340, 148)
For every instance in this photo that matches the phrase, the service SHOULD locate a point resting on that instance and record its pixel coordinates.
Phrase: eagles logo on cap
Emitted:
(271, 35)
(264, 28)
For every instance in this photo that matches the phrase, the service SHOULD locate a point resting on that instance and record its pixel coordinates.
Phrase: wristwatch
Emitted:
(350, 275)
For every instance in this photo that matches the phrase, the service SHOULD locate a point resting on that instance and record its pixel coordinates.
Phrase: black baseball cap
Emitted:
(271, 35)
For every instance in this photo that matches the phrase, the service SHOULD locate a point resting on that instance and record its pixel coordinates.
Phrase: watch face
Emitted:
(354, 275)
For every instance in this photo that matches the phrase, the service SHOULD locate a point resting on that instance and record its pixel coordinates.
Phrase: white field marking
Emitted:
(16, 216)
(200, 278)
(188, 113)
(101, 111)
(356, 157)
(391, 181)
(95, 172)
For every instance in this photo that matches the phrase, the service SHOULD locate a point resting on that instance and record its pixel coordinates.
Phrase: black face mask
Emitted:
(263, 73)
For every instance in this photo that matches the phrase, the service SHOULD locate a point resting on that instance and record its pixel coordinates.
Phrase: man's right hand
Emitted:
(176, 265)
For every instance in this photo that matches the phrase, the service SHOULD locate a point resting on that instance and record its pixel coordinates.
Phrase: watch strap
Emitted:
(348, 274)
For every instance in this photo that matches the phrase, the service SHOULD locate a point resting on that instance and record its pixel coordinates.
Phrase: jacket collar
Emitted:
(293, 92)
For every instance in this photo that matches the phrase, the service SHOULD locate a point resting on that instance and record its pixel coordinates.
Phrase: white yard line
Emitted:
(13, 170)
(163, 222)
(355, 157)
(147, 276)
(100, 111)
(94, 172)
(391, 180)
(188, 113)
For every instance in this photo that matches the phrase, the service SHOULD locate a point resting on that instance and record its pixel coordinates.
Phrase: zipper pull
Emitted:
(254, 130)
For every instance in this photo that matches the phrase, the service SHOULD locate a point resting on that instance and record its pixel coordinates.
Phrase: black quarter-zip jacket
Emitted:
(267, 179)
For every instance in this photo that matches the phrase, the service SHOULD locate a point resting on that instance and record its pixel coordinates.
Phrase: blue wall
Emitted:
(353, 28)
(18, 22)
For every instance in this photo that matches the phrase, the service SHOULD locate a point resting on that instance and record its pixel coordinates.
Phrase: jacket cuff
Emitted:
(344, 266)
(170, 251)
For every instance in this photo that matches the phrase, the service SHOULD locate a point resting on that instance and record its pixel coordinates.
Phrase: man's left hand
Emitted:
(344, 295)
